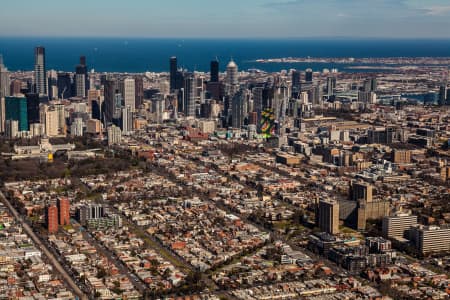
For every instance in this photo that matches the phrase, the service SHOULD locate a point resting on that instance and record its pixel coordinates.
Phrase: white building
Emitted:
(232, 79)
(76, 129)
(114, 135)
(127, 120)
(128, 91)
(12, 128)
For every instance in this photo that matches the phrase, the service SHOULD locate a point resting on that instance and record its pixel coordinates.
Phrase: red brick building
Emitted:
(64, 211)
(52, 219)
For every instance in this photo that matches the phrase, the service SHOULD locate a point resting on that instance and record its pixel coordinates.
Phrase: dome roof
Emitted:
(232, 64)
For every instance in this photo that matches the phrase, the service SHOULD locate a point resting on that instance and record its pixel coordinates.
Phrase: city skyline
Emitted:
(273, 149)
(233, 19)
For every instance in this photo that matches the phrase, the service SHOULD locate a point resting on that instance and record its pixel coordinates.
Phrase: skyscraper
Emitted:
(309, 75)
(4, 79)
(81, 78)
(128, 91)
(238, 108)
(232, 80)
(64, 83)
(296, 83)
(258, 102)
(4, 91)
(189, 95)
(158, 107)
(33, 108)
(127, 120)
(40, 78)
(173, 73)
(139, 91)
(442, 94)
(214, 71)
(52, 82)
(2, 115)
(110, 91)
(16, 109)
(331, 86)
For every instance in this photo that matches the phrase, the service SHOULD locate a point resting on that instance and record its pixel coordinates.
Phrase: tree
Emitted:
(101, 273)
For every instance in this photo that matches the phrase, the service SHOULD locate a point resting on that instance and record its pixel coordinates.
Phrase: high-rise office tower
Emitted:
(52, 82)
(200, 88)
(238, 108)
(61, 113)
(95, 100)
(328, 216)
(281, 97)
(51, 218)
(16, 109)
(81, 78)
(2, 115)
(33, 108)
(296, 83)
(173, 73)
(4, 91)
(442, 94)
(258, 102)
(128, 91)
(189, 94)
(309, 75)
(4, 79)
(40, 78)
(127, 120)
(110, 91)
(331, 86)
(118, 104)
(64, 83)
(158, 107)
(139, 91)
(232, 80)
(214, 71)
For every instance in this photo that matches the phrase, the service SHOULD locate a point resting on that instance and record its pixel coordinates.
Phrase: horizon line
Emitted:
(225, 37)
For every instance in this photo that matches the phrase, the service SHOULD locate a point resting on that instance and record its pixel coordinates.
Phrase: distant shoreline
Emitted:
(350, 60)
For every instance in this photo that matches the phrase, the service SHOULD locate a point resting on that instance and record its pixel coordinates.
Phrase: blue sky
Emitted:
(226, 18)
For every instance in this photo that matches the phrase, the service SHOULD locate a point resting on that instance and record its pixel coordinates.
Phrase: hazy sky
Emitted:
(226, 18)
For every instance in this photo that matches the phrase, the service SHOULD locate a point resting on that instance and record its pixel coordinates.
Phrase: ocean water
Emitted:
(140, 55)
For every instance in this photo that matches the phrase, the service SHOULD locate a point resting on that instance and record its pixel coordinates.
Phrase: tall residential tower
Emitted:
(40, 78)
